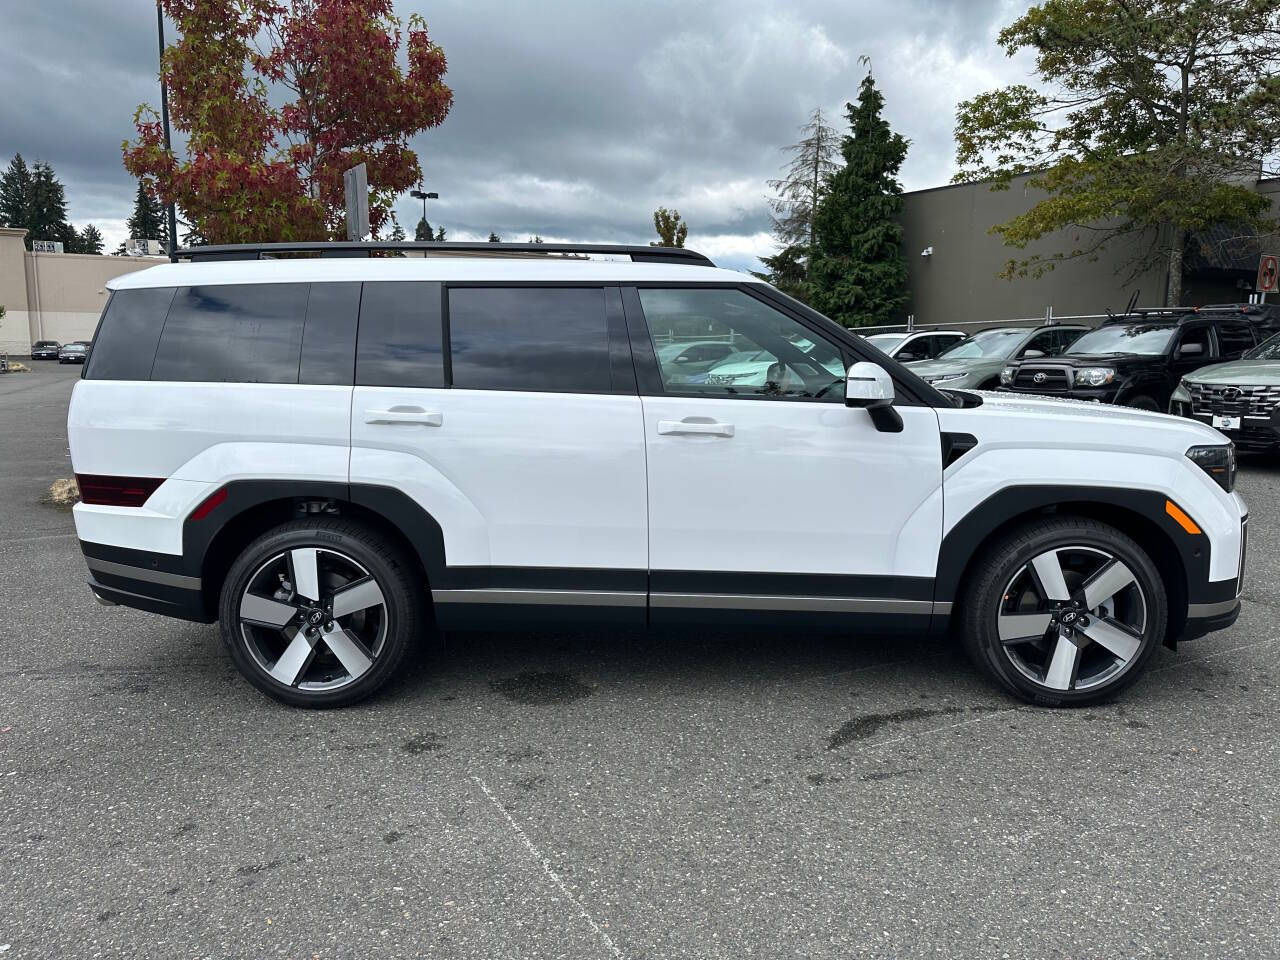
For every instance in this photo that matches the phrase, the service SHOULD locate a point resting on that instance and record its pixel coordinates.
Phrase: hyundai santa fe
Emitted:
(331, 452)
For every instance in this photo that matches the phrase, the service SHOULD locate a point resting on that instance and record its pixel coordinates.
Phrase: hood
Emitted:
(1127, 360)
(1059, 423)
(1239, 372)
(942, 366)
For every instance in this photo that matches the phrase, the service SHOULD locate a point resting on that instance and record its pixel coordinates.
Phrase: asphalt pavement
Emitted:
(614, 794)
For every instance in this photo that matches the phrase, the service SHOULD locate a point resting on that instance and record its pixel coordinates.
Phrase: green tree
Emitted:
(1151, 120)
(440, 235)
(423, 231)
(148, 220)
(787, 271)
(494, 238)
(397, 236)
(535, 239)
(857, 273)
(15, 193)
(88, 240)
(799, 191)
(47, 208)
(672, 231)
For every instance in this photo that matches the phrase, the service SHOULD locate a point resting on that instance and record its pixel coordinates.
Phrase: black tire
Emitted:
(402, 597)
(986, 595)
(1142, 402)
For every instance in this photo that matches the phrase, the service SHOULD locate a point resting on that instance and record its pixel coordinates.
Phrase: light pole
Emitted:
(164, 116)
(424, 197)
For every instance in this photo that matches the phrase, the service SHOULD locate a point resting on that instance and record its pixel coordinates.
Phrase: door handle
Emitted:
(428, 418)
(691, 425)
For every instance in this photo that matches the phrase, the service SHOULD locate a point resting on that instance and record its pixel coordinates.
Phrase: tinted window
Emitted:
(1235, 338)
(399, 344)
(529, 338)
(233, 333)
(774, 356)
(125, 344)
(1142, 339)
(329, 339)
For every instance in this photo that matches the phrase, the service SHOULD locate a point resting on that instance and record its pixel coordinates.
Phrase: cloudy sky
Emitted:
(572, 119)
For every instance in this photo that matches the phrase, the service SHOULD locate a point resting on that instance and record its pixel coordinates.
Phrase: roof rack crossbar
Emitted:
(258, 251)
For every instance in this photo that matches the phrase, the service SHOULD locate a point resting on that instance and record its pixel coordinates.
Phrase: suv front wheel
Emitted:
(320, 613)
(1064, 612)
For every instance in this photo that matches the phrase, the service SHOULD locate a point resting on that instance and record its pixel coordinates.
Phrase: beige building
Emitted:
(53, 296)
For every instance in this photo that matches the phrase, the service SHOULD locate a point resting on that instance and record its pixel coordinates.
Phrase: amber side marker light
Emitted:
(1185, 522)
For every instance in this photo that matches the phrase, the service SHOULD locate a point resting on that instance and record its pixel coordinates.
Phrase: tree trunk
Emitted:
(1173, 293)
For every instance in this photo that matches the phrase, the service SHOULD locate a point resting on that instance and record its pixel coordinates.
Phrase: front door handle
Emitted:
(429, 418)
(695, 425)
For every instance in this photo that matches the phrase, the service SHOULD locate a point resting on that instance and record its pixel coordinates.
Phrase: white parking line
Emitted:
(548, 870)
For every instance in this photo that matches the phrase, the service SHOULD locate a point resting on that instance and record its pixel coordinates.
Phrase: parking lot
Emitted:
(637, 795)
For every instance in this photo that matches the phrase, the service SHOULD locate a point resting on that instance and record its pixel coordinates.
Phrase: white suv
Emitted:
(333, 454)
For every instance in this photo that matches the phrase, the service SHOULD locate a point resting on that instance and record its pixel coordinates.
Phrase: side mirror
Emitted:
(869, 386)
(904, 355)
(1191, 350)
(1032, 354)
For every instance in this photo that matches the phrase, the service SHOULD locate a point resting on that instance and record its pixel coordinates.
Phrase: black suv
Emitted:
(1137, 360)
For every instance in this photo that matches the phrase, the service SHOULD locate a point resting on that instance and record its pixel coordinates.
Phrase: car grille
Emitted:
(1231, 401)
(1043, 379)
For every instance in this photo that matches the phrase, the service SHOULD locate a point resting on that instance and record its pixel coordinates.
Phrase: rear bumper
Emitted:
(153, 582)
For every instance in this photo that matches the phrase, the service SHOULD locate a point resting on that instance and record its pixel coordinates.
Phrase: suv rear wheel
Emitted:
(320, 613)
(1065, 612)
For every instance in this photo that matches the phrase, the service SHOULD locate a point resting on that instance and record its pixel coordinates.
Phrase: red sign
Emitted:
(1269, 273)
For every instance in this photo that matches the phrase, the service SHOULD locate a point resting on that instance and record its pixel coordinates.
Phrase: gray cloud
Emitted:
(572, 119)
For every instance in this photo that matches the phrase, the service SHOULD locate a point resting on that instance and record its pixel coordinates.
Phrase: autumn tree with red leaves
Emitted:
(257, 173)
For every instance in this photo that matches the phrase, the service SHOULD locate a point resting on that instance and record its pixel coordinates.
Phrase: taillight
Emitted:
(116, 491)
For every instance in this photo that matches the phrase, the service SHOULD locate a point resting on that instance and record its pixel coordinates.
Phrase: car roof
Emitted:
(496, 269)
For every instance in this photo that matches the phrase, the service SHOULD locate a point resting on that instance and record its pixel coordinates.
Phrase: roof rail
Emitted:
(260, 251)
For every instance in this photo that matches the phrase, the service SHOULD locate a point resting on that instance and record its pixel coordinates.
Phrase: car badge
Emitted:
(1039, 378)
(1230, 393)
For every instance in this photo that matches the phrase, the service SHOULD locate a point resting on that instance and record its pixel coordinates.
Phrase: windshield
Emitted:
(886, 341)
(1146, 340)
(1267, 350)
(74, 347)
(985, 345)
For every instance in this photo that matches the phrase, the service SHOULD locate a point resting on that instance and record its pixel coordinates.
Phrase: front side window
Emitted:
(542, 339)
(233, 333)
(773, 355)
(1235, 339)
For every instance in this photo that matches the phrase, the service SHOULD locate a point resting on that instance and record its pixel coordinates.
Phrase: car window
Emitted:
(532, 338)
(1046, 341)
(886, 341)
(985, 344)
(1235, 339)
(128, 334)
(1143, 339)
(1195, 335)
(400, 338)
(329, 336)
(1268, 349)
(775, 356)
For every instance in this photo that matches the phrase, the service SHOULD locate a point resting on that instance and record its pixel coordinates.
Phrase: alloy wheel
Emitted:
(1073, 618)
(313, 619)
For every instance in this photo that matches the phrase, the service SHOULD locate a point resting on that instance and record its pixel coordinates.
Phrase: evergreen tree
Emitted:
(787, 271)
(535, 239)
(440, 235)
(423, 232)
(47, 210)
(799, 191)
(148, 221)
(88, 240)
(397, 236)
(672, 231)
(857, 273)
(15, 193)
(494, 238)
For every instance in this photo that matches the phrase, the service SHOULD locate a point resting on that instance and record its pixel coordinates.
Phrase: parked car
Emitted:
(758, 369)
(74, 352)
(1238, 398)
(687, 359)
(1135, 364)
(917, 345)
(45, 350)
(500, 446)
(976, 362)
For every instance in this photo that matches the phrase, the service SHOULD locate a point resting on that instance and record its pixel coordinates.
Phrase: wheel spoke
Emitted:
(1048, 570)
(306, 572)
(357, 596)
(264, 610)
(294, 660)
(1061, 673)
(349, 651)
(1120, 642)
(1106, 583)
(1020, 627)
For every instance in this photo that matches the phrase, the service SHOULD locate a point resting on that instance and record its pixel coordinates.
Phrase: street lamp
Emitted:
(424, 197)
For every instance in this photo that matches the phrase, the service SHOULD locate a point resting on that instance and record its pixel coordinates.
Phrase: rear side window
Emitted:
(1235, 339)
(233, 333)
(329, 339)
(125, 343)
(401, 337)
(547, 339)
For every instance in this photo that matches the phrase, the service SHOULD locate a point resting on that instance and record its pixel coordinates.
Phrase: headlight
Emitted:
(1095, 376)
(1218, 461)
(945, 377)
(1006, 376)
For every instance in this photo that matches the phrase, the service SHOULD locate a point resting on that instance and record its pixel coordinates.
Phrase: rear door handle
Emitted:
(429, 418)
(691, 425)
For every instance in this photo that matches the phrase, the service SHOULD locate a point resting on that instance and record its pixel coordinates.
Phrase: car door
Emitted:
(510, 414)
(1193, 347)
(769, 495)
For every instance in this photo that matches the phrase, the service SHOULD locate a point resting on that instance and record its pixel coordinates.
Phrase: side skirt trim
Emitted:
(568, 598)
(745, 601)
